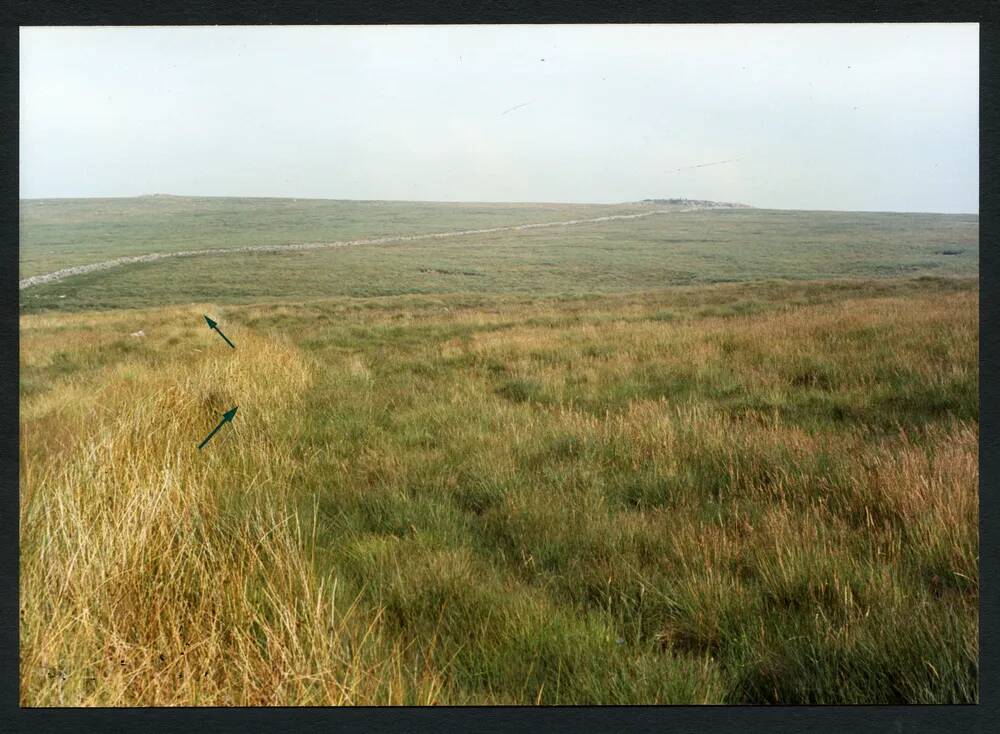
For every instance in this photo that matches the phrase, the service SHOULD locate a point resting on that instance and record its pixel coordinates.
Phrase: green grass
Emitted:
(527, 513)
(608, 257)
(709, 457)
(768, 496)
(59, 233)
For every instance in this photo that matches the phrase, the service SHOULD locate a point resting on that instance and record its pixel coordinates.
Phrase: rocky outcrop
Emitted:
(700, 203)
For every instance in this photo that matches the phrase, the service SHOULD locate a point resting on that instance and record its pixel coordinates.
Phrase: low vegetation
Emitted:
(738, 493)
(60, 233)
(622, 256)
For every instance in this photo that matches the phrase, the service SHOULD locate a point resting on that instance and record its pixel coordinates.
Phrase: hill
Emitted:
(241, 251)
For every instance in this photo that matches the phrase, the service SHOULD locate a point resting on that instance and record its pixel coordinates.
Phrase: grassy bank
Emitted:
(756, 492)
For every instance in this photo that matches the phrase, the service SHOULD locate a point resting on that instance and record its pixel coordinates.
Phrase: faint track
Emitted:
(59, 275)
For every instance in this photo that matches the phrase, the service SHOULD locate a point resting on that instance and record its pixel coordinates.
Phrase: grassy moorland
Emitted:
(59, 233)
(679, 248)
(744, 492)
(714, 456)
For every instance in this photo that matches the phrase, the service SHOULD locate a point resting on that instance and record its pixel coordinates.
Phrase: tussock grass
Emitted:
(747, 493)
(155, 574)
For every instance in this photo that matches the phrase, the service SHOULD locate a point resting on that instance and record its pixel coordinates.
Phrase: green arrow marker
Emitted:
(226, 418)
(215, 325)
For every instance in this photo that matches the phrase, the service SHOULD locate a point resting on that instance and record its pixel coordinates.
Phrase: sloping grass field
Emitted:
(608, 492)
(59, 233)
(658, 251)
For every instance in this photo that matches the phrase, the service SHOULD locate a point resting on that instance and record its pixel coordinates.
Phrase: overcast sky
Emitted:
(853, 117)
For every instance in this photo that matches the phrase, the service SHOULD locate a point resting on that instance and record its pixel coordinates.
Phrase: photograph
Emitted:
(515, 365)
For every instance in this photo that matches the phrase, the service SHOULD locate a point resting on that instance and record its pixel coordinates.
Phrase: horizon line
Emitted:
(483, 201)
